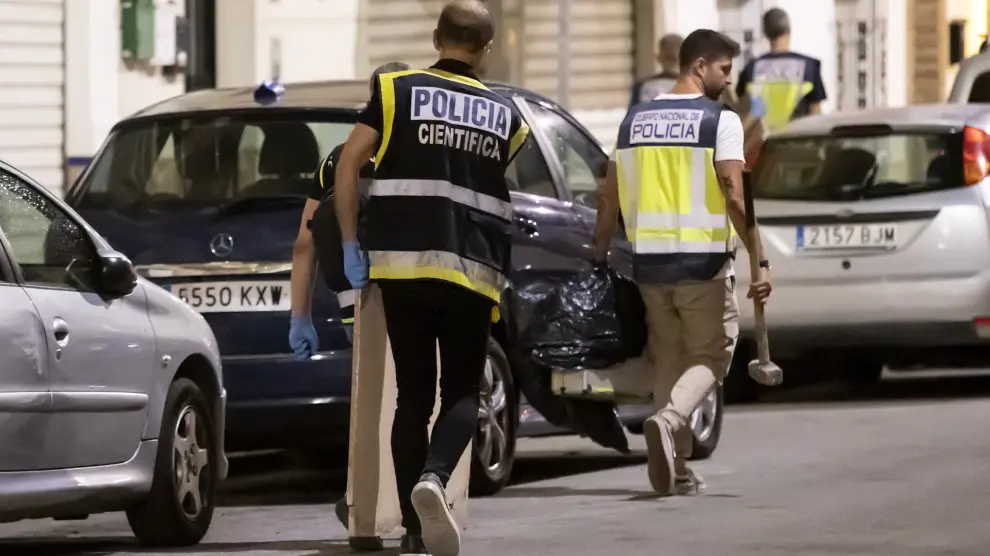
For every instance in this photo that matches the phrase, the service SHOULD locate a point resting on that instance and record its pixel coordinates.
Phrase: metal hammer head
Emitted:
(767, 374)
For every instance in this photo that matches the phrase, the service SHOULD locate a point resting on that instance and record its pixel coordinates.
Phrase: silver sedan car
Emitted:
(110, 388)
(876, 226)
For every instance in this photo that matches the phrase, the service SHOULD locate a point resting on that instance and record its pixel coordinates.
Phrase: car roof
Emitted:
(945, 116)
(350, 95)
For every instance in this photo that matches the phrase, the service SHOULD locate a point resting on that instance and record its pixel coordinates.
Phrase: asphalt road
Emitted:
(895, 469)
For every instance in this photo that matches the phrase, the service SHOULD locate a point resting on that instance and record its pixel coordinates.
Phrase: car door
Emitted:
(581, 164)
(25, 401)
(545, 232)
(100, 352)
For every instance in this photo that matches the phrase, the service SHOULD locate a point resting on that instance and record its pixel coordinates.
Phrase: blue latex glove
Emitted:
(355, 264)
(302, 338)
(758, 107)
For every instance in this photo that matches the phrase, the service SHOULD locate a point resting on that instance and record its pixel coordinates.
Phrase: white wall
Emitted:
(302, 40)
(100, 88)
(896, 49)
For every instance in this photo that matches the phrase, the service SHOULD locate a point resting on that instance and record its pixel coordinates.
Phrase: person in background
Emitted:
(676, 172)
(788, 85)
(302, 334)
(648, 89)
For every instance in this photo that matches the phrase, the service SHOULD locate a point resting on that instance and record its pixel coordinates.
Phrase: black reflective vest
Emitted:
(325, 230)
(439, 207)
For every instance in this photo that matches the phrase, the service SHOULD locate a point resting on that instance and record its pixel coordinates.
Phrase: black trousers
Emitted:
(419, 315)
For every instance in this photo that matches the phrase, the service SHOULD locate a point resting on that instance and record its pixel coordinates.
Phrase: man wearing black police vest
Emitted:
(437, 237)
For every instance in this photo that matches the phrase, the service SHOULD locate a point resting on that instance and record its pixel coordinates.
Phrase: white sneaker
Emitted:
(440, 533)
(660, 451)
(691, 484)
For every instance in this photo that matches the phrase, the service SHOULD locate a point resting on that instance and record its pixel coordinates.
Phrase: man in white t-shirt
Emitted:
(676, 177)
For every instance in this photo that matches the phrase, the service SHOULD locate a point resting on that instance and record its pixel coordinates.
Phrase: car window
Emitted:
(203, 161)
(583, 161)
(529, 173)
(49, 247)
(980, 92)
(835, 168)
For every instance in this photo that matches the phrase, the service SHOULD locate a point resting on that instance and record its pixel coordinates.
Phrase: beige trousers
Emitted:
(693, 330)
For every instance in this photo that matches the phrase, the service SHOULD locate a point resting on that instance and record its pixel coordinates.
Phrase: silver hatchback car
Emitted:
(876, 226)
(110, 388)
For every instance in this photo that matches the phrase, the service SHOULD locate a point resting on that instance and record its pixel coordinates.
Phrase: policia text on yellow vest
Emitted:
(439, 207)
(671, 203)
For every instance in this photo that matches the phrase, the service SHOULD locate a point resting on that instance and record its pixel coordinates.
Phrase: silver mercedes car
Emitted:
(110, 388)
(876, 226)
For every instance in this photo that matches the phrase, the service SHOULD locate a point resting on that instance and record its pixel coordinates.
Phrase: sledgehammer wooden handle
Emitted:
(762, 370)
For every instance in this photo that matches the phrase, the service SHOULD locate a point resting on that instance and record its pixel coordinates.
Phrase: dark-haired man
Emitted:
(788, 85)
(646, 90)
(302, 334)
(438, 243)
(679, 160)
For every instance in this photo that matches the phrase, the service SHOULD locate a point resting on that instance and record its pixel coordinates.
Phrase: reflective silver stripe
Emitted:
(347, 298)
(441, 188)
(693, 220)
(474, 271)
(666, 246)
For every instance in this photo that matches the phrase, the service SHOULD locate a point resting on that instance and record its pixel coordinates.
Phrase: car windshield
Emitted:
(209, 161)
(836, 168)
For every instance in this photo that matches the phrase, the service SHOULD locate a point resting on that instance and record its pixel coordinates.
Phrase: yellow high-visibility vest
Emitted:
(672, 206)
(782, 81)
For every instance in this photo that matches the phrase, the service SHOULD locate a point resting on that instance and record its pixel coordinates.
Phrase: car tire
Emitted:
(706, 425)
(860, 372)
(494, 449)
(636, 428)
(178, 510)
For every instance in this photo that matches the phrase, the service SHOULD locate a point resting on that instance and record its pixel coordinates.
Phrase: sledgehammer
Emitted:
(762, 369)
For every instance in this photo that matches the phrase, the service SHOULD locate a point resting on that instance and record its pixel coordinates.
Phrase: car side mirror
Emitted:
(116, 275)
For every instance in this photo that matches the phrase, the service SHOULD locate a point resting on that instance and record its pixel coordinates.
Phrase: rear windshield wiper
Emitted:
(891, 187)
(259, 202)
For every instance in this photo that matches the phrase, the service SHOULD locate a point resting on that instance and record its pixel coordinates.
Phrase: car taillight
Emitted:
(976, 155)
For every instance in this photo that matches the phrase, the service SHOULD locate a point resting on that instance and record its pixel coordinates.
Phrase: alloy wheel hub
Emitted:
(491, 441)
(189, 461)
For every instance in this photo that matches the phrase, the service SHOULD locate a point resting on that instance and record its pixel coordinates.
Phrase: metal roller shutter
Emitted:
(401, 31)
(927, 51)
(601, 51)
(32, 78)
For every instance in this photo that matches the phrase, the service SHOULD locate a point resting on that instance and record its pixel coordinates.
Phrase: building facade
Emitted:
(71, 69)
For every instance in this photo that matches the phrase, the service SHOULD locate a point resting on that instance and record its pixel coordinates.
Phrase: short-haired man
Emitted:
(646, 90)
(679, 160)
(437, 245)
(789, 85)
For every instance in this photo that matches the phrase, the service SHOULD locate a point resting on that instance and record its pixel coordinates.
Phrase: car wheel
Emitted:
(179, 508)
(860, 372)
(495, 440)
(635, 428)
(706, 425)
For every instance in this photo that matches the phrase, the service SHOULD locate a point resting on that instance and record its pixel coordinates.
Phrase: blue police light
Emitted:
(269, 92)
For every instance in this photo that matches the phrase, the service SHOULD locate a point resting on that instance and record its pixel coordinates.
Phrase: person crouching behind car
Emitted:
(306, 251)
